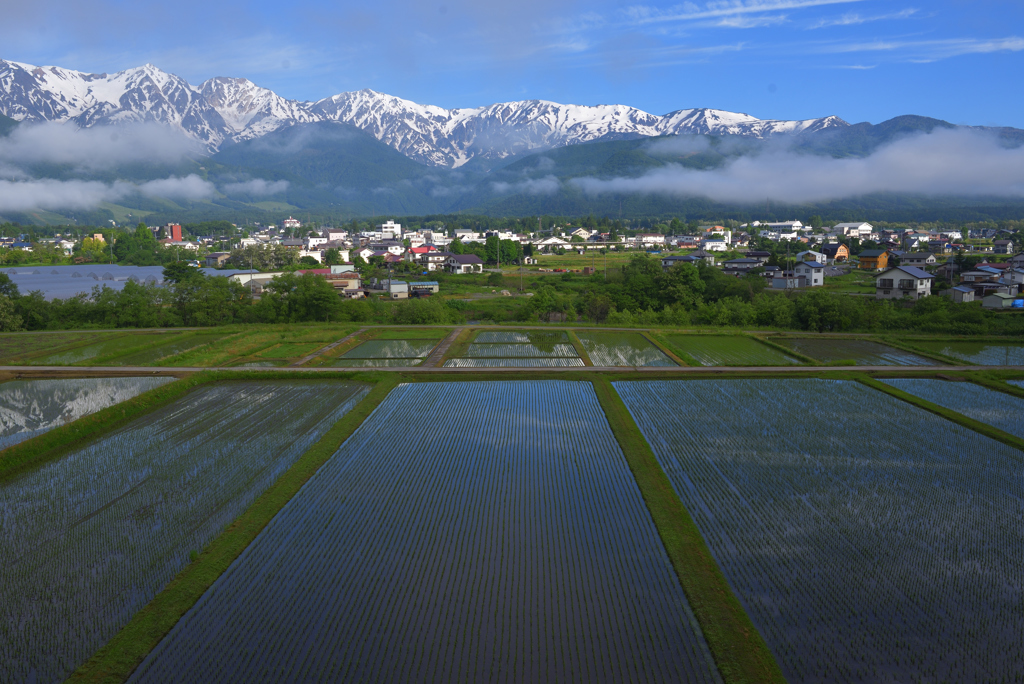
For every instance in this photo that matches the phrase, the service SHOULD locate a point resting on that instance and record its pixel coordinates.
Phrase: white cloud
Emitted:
(257, 187)
(689, 11)
(547, 185)
(852, 19)
(931, 50)
(191, 187)
(100, 147)
(943, 163)
(24, 195)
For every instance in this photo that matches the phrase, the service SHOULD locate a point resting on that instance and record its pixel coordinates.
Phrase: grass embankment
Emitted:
(122, 654)
(740, 652)
(578, 346)
(940, 359)
(789, 352)
(950, 415)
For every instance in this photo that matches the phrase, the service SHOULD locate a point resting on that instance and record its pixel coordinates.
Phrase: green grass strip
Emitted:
(958, 418)
(668, 350)
(660, 340)
(121, 655)
(578, 346)
(942, 359)
(740, 652)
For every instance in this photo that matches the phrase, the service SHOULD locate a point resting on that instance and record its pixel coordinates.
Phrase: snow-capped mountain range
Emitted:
(224, 110)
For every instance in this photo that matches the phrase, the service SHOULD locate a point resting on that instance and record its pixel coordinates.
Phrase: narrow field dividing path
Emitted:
(324, 350)
(441, 349)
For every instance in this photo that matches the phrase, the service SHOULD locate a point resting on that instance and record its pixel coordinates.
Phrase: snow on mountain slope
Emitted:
(232, 109)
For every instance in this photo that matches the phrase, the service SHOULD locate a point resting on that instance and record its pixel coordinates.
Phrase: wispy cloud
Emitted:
(851, 19)
(745, 21)
(689, 11)
(932, 50)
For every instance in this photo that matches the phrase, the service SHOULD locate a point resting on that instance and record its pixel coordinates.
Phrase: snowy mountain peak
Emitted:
(224, 109)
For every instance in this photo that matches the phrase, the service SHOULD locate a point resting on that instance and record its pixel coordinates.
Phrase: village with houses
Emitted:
(388, 260)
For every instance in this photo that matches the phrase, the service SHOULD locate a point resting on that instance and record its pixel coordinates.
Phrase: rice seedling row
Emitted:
(32, 407)
(985, 405)
(164, 351)
(374, 363)
(729, 350)
(622, 349)
(515, 363)
(862, 352)
(16, 346)
(507, 543)
(90, 538)
(865, 547)
(529, 337)
(109, 346)
(289, 350)
(515, 351)
(981, 353)
(391, 349)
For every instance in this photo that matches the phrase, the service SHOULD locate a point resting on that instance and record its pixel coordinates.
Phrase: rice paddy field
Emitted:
(985, 405)
(861, 352)
(16, 347)
(864, 548)
(160, 352)
(384, 353)
(112, 345)
(506, 349)
(981, 353)
(89, 539)
(729, 350)
(507, 543)
(32, 407)
(622, 349)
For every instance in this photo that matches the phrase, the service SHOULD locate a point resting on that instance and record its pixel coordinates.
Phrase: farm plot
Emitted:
(32, 407)
(865, 548)
(162, 351)
(108, 346)
(508, 543)
(995, 408)
(981, 353)
(497, 349)
(729, 350)
(14, 347)
(622, 349)
(89, 539)
(386, 353)
(862, 352)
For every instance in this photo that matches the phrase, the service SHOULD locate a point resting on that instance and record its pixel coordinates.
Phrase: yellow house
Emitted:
(874, 259)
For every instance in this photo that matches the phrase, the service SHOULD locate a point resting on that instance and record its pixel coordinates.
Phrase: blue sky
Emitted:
(862, 60)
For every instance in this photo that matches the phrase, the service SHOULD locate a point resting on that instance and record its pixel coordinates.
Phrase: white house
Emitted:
(714, 245)
(313, 242)
(365, 253)
(290, 223)
(314, 253)
(464, 263)
(811, 255)
(334, 234)
(650, 239)
(903, 281)
(857, 230)
(812, 271)
(960, 294)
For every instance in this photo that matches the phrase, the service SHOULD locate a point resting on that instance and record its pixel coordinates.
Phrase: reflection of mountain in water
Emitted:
(32, 407)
